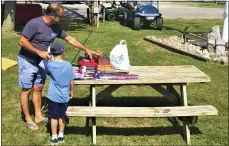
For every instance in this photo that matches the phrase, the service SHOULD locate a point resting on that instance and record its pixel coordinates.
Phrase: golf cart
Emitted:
(111, 10)
(141, 13)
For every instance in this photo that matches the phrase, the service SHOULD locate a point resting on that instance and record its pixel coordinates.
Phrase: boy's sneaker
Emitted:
(61, 139)
(54, 141)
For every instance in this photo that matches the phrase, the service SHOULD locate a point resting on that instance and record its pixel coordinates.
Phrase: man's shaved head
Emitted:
(54, 8)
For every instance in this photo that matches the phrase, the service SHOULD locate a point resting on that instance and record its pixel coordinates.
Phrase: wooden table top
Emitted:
(156, 75)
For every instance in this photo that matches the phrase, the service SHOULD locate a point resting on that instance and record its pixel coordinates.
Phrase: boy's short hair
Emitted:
(56, 49)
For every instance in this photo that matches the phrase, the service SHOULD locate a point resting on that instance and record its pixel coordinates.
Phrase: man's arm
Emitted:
(71, 40)
(24, 42)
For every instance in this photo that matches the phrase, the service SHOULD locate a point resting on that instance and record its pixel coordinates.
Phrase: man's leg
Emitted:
(26, 78)
(24, 99)
(37, 93)
(37, 100)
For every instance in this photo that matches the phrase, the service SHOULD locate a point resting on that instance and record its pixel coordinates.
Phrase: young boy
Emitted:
(60, 89)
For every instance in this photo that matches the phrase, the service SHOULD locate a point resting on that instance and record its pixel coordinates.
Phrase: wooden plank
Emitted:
(93, 96)
(184, 98)
(184, 102)
(94, 130)
(93, 119)
(174, 111)
(104, 14)
(88, 119)
(156, 74)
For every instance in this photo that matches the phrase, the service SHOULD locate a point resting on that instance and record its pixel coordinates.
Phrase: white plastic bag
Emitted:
(119, 58)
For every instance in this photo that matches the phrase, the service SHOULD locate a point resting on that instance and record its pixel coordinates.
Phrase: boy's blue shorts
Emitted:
(56, 110)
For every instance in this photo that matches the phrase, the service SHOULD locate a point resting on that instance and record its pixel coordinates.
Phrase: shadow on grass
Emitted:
(44, 108)
(143, 101)
(197, 31)
(170, 28)
(130, 131)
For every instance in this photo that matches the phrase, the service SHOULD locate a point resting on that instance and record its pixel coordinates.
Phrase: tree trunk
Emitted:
(9, 16)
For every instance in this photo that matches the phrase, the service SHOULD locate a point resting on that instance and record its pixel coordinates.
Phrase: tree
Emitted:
(9, 16)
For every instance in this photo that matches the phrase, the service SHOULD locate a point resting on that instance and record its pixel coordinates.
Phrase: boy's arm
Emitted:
(71, 88)
(71, 81)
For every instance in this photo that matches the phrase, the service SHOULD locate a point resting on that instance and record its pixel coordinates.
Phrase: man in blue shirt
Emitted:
(60, 89)
(35, 39)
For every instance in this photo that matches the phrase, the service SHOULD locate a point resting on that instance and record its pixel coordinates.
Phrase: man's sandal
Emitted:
(32, 126)
(44, 121)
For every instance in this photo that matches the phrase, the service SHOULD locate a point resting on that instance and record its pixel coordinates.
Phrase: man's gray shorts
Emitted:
(30, 74)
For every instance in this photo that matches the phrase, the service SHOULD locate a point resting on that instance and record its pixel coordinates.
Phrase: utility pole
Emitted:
(225, 23)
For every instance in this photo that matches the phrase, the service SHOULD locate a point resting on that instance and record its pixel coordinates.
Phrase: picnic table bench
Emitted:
(161, 78)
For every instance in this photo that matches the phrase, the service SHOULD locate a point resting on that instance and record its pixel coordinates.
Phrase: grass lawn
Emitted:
(210, 130)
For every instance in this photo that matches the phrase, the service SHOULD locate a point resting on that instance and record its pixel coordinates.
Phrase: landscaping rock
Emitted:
(177, 42)
(220, 48)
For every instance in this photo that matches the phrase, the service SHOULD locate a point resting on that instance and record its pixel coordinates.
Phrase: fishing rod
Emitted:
(83, 44)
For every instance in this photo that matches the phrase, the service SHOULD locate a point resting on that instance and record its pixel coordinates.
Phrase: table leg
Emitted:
(93, 119)
(104, 15)
(88, 120)
(172, 90)
(184, 102)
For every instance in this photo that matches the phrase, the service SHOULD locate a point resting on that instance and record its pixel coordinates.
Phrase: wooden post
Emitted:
(97, 15)
(88, 119)
(104, 14)
(184, 102)
(93, 119)
(95, 19)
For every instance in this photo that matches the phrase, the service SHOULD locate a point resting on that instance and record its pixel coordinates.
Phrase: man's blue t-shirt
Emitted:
(61, 73)
(40, 35)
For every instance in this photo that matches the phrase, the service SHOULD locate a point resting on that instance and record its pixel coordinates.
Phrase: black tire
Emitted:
(137, 23)
(159, 23)
(111, 16)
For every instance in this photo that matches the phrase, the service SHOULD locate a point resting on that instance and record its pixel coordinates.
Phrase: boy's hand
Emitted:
(70, 95)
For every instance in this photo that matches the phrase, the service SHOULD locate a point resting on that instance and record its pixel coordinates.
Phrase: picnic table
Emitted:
(161, 78)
